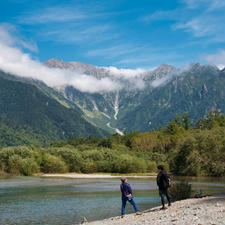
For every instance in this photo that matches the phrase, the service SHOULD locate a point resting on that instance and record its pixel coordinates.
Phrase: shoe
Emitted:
(169, 204)
(163, 208)
(138, 213)
(122, 216)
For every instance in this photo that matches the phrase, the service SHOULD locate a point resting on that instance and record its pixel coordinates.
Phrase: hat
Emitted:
(123, 179)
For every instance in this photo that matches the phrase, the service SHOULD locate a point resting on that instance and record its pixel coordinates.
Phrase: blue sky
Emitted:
(122, 33)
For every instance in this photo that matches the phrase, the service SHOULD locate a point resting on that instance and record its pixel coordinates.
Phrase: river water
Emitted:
(63, 201)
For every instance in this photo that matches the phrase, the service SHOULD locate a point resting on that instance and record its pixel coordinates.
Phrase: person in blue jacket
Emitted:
(127, 195)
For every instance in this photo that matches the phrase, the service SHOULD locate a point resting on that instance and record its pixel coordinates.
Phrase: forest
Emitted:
(182, 147)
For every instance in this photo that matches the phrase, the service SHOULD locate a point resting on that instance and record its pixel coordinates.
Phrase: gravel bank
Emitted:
(204, 211)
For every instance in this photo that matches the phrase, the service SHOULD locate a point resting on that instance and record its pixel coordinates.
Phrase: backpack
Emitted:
(168, 180)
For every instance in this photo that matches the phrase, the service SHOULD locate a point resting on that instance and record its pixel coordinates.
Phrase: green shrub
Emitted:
(152, 167)
(95, 155)
(158, 157)
(193, 164)
(104, 166)
(15, 165)
(120, 164)
(217, 169)
(70, 156)
(138, 166)
(128, 164)
(29, 167)
(180, 190)
(53, 164)
(20, 152)
(88, 167)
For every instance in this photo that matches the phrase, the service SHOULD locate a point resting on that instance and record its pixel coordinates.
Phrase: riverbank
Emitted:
(204, 211)
(94, 176)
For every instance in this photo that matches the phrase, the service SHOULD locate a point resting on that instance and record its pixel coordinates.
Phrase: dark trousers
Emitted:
(163, 192)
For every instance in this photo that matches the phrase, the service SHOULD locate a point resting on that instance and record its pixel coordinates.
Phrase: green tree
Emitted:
(105, 142)
(186, 121)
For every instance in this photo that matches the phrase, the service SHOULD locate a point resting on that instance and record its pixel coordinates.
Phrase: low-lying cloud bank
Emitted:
(125, 73)
(13, 60)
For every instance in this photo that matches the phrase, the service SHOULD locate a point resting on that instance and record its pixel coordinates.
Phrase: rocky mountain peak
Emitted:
(160, 72)
(55, 63)
(164, 69)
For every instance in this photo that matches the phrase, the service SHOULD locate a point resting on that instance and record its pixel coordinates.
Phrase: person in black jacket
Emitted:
(163, 184)
(127, 195)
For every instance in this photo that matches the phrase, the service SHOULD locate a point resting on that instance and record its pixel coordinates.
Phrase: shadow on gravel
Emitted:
(152, 210)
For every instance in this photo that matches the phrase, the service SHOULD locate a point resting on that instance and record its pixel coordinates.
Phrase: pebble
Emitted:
(180, 213)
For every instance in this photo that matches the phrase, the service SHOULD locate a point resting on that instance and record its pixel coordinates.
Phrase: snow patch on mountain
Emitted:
(95, 105)
(116, 129)
(104, 114)
(116, 105)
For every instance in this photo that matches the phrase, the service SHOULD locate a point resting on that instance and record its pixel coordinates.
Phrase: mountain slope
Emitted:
(27, 106)
(14, 134)
(196, 91)
(168, 91)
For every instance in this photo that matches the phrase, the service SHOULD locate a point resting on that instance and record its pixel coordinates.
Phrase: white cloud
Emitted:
(125, 73)
(217, 5)
(217, 59)
(5, 37)
(131, 78)
(209, 4)
(77, 34)
(193, 4)
(206, 20)
(53, 14)
(201, 18)
(170, 75)
(13, 60)
(198, 27)
(161, 81)
(163, 15)
(114, 51)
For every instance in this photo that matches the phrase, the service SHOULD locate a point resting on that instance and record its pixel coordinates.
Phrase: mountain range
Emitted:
(167, 91)
(143, 101)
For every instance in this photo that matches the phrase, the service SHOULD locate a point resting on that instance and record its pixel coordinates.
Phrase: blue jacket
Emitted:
(125, 189)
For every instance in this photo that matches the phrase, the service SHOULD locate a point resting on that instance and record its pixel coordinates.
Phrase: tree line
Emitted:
(183, 147)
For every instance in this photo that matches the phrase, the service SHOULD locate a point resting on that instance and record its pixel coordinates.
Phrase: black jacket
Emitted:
(162, 180)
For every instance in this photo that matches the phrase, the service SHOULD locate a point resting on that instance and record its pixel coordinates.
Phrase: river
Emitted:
(64, 201)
